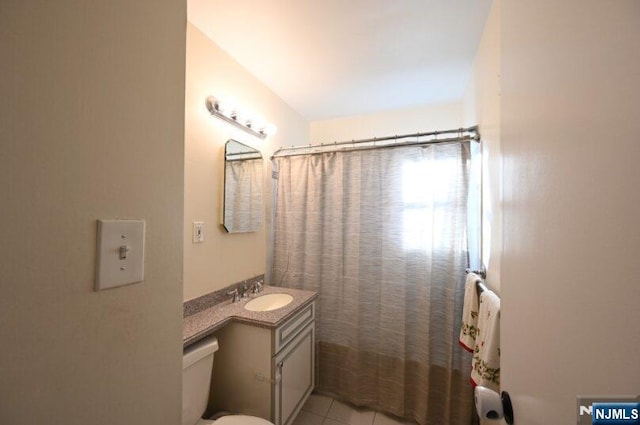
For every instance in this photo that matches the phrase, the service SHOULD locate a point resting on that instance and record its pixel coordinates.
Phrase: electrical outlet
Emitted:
(198, 231)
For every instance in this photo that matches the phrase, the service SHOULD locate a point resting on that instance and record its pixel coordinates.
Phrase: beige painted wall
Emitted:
(224, 258)
(91, 126)
(443, 116)
(569, 140)
(482, 107)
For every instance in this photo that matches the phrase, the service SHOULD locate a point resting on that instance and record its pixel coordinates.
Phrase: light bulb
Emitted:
(221, 107)
(270, 129)
(212, 104)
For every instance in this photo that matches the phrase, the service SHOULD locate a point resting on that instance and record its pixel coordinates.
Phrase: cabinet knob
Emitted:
(279, 373)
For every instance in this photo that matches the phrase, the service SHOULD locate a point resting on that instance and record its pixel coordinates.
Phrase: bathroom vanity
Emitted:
(265, 371)
(265, 362)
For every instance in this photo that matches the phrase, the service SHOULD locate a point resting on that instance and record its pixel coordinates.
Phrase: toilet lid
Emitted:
(242, 420)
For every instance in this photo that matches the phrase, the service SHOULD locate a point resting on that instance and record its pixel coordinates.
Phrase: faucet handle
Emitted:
(235, 294)
(257, 287)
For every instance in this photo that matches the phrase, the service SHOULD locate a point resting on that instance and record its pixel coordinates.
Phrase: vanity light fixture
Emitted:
(217, 109)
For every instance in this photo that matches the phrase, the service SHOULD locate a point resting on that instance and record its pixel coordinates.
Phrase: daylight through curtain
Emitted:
(381, 236)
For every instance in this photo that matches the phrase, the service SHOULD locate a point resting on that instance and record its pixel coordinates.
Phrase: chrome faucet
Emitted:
(245, 291)
(257, 287)
(235, 294)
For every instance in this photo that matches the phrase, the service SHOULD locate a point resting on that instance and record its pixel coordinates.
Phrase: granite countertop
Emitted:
(206, 322)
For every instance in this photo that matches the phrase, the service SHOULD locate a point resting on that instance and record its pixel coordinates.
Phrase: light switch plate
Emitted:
(198, 232)
(120, 253)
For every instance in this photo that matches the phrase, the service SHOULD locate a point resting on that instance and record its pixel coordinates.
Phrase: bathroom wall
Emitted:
(443, 116)
(482, 107)
(224, 258)
(91, 127)
(569, 139)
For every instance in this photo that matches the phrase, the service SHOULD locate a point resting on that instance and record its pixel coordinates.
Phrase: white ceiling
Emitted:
(332, 58)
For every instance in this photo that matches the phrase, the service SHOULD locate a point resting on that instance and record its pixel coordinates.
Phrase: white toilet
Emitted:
(197, 365)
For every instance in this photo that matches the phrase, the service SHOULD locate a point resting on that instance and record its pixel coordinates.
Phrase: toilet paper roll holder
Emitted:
(507, 407)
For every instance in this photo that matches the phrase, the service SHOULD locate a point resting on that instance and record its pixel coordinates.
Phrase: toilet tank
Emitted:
(197, 365)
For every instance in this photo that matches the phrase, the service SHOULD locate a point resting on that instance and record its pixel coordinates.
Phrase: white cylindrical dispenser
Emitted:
(488, 403)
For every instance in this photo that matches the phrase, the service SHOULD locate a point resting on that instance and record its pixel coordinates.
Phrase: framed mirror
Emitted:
(242, 188)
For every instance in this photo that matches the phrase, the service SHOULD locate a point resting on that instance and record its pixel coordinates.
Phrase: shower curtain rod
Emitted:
(326, 147)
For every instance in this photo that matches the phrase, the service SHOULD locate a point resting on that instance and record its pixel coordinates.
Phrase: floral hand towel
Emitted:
(469, 327)
(486, 355)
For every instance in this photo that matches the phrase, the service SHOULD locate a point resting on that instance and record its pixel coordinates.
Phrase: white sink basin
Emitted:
(268, 302)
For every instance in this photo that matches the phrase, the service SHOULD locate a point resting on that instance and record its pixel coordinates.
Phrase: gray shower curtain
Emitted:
(381, 236)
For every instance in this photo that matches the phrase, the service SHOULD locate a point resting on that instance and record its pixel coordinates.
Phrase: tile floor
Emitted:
(323, 410)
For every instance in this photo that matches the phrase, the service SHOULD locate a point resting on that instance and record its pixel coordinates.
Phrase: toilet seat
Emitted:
(240, 420)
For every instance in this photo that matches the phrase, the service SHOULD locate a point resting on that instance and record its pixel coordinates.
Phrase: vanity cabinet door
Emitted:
(265, 372)
(294, 375)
